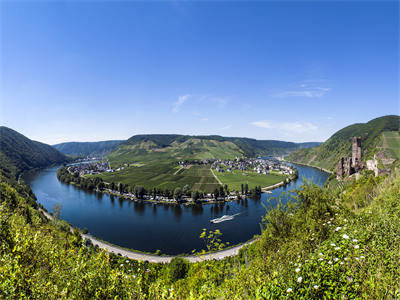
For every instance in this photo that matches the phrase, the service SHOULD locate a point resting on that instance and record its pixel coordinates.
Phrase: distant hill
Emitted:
(380, 135)
(181, 147)
(18, 153)
(88, 148)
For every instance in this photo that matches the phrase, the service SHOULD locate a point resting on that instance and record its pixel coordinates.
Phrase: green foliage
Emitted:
(19, 154)
(339, 241)
(178, 268)
(88, 148)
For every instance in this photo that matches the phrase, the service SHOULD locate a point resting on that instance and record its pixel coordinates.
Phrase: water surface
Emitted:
(173, 229)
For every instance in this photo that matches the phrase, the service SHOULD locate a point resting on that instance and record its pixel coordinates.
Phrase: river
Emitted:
(173, 229)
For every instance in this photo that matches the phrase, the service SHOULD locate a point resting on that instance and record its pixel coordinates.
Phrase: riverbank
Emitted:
(131, 254)
(308, 165)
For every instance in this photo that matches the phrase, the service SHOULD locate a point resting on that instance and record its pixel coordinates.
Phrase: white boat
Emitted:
(224, 218)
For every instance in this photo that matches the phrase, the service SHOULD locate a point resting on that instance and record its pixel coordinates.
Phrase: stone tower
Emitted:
(356, 153)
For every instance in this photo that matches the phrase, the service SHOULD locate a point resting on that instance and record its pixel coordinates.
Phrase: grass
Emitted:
(235, 179)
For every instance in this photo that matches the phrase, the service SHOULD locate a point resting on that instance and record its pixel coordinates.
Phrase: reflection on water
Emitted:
(146, 226)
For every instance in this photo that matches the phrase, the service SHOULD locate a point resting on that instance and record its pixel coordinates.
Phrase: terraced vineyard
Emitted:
(235, 179)
(165, 175)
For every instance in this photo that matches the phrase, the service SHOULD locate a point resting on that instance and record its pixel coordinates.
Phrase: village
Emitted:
(257, 165)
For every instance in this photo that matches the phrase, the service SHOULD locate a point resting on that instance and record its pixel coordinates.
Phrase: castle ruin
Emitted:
(348, 166)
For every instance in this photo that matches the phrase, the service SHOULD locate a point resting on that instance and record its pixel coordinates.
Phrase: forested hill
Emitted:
(101, 148)
(18, 153)
(199, 147)
(379, 136)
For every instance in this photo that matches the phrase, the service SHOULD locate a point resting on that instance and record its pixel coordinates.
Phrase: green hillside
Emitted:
(88, 148)
(141, 148)
(327, 245)
(19, 154)
(378, 135)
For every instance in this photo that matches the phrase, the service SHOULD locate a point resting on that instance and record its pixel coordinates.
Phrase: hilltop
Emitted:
(18, 153)
(101, 148)
(185, 147)
(379, 136)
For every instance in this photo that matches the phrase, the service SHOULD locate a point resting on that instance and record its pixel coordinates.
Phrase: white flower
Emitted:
(316, 287)
(121, 265)
(356, 246)
(336, 259)
(300, 279)
(333, 244)
(289, 290)
(355, 240)
(330, 262)
(342, 263)
(346, 258)
(337, 248)
(329, 222)
(320, 254)
(338, 228)
(299, 265)
(297, 270)
(357, 258)
(344, 220)
(362, 256)
(320, 259)
(345, 236)
(323, 224)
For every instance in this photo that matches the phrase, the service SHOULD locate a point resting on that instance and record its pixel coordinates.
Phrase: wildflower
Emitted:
(336, 259)
(362, 257)
(289, 290)
(320, 259)
(299, 265)
(344, 220)
(330, 262)
(333, 244)
(338, 228)
(337, 248)
(320, 254)
(300, 279)
(329, 222)
(316, 287)
(323, 224)
(357, 258)
(346, 258)
(355, 240)
(121, 265)
(297, 270)
(356, 246)
(341, 263)
(345, 236)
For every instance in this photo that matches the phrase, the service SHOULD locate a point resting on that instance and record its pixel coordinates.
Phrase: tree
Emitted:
(216, 193)
(154, 193)
(120, 187)
(101, 185)
(112, 185)
(139, 191)
(57, 211)
(246, 188)
(186, 189)
(242, 188)
(221, 191)
(177, 193)
(195, 195)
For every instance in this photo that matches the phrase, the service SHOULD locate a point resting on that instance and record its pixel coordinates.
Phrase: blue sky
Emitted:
(295, 71)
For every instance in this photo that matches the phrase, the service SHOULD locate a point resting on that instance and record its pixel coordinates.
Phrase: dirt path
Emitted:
(155, 258)
(212, 172)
